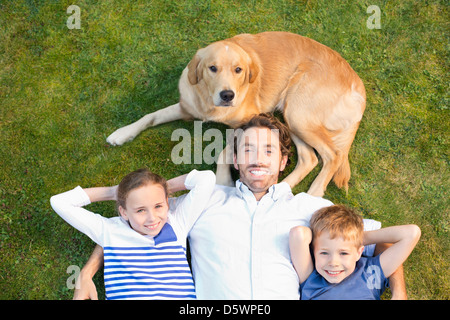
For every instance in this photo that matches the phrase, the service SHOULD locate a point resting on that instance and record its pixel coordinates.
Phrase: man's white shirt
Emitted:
(240, 246)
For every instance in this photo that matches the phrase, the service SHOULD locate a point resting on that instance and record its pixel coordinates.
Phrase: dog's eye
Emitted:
(213, 68)
(238, 70)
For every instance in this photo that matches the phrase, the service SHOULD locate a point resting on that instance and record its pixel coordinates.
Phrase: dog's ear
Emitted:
(194, 73)
(254, 71)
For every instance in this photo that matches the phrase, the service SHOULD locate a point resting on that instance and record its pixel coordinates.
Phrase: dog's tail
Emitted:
(342, 175)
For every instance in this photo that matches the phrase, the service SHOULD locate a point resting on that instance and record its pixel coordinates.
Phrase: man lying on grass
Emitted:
(240, 243)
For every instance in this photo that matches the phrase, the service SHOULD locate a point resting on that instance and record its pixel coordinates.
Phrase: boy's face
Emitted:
(147, 209)
(259, 159)
(335, 259)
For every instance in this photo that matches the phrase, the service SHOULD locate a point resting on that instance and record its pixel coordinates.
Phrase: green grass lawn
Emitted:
(63, 91)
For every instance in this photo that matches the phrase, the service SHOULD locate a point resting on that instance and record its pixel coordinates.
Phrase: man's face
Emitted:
(259, 159)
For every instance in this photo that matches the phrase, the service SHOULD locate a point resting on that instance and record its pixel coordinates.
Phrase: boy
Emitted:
(339, 272)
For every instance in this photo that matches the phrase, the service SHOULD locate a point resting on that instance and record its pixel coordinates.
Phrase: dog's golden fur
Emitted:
(322, 99)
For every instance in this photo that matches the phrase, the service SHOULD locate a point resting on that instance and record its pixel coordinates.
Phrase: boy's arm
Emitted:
(397, 279)
(404, 239)
(85, 287)
(299, 240)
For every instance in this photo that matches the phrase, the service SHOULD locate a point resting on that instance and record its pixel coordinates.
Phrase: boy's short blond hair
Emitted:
(339, 221)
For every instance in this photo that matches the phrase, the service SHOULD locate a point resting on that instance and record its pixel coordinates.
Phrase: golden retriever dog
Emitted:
(321, 97)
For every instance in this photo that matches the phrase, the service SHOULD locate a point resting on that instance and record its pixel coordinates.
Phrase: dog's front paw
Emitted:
(120, 136)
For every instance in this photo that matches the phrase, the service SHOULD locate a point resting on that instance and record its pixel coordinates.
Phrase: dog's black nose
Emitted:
(227, 95)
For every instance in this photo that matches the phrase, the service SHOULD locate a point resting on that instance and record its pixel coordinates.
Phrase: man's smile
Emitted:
(259, 172)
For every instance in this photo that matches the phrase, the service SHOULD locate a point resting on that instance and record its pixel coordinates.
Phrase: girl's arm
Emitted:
(101, 193)
(189, 206)
(299, 240)
(69, 206)
(404, 239)
(176, 184)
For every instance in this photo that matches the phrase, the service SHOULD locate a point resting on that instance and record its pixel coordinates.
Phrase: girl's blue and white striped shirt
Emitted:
(160, 271)
(138, 266)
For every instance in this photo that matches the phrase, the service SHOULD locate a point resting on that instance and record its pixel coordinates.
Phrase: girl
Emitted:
(145, 247)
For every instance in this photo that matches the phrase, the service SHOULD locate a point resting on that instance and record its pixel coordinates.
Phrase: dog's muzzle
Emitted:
(227, 96)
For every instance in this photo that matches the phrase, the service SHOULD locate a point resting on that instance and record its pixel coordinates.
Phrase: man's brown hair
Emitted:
(267, 120)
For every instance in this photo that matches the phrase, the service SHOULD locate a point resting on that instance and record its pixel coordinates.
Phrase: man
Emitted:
(240, 244)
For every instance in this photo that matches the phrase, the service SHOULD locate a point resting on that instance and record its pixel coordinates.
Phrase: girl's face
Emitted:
(146, 209)
(335, 259)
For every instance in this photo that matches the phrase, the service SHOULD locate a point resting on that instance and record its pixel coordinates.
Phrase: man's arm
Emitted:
(85, 287)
